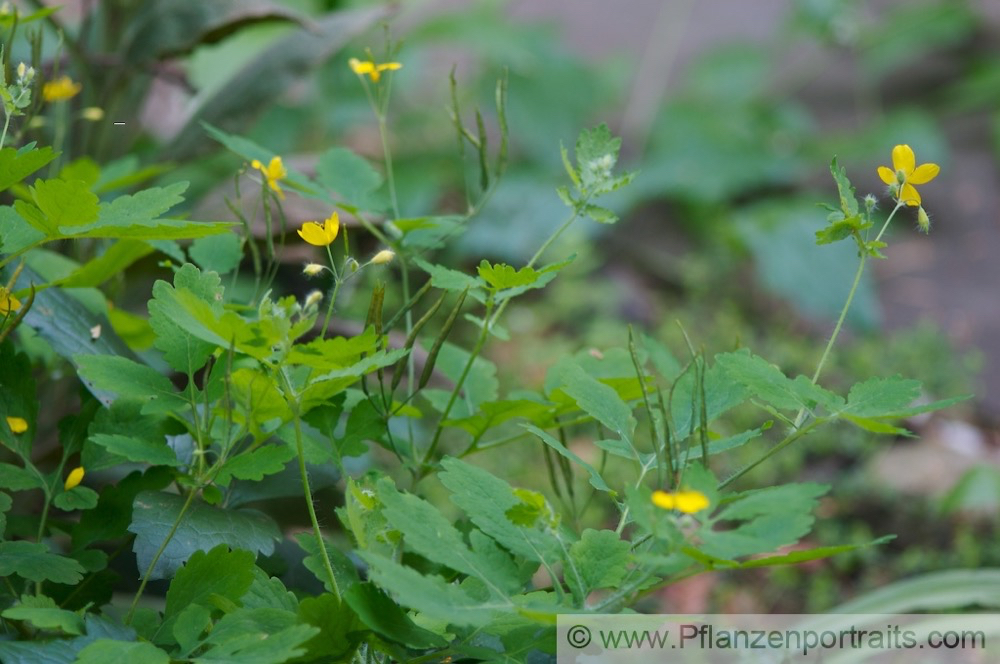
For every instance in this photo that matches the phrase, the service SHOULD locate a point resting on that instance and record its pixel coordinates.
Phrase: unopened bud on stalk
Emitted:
(923, 220)
(313, 298)
(312, 269)
(871, 202)
(383, 257)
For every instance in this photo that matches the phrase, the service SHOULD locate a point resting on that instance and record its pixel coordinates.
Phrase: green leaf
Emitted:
(64, 205)
(258, 636)
(130, 379)
(343, 569)
(768, 383)
(494, 413)
(839, 230)
(848, 201)
(108, 651)
(338, 628)
(773, 517)
(254, 465)
(34, 562)
(110, 519)
(43, 613)
(15, 478)
(268, 592)
(720, 394)
(601, 215)
(599, 401)
(140, 209)
(18, 233)
(139, 450)
(878, 397)
(221, 253)
(183, 351)
(205, 577)
(448, 279)
(335, 353)
(876, 426)
(595, 477)
(429, 533)
(481, 384)
(488, 500)
(202, 528)
(352, 177)
(806, 555)
(77, 498)
(16, 165)
(385, 618)
(112, 262)
(430, 594)
(501, 275)
(598, 560)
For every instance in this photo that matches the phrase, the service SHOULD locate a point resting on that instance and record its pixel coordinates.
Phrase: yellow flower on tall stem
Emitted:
(274, 171)
(905, 173)
(60, 89)
(321, 235)
(371, 69)
(688, 502)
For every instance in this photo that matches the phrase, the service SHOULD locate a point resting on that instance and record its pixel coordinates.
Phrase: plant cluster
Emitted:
(242, 396)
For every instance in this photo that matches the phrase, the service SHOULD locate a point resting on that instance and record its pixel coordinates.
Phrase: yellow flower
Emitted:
(688, 502)
(60, 88)
(8, 302)
(17, 424)
(274, 171)
(321, 236)
(905, 173)
(74, 478)
(374, 71)
(383, 257)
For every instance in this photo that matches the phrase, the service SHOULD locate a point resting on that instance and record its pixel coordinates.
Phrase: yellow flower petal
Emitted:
(391, 66)
(924, 173)
(274, 171)
(361, 68)
(688, 502)
(321, 236)
(903, 159)
(17, 424)
(887, 175)
(909, 195)
(74, 478)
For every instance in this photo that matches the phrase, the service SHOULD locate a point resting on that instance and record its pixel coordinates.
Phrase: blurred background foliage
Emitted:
(731, 113)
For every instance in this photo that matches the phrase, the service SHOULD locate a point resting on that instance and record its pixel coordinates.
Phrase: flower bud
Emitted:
(351, 265)
(871, 202)
(312, 269)
(92, 113)
(900, 176)
(74, 478)
(923, 220)
(313, 298)
(22, 69)
(383, 257)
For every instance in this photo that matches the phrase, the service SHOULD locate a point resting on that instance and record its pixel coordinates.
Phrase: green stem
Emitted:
(387, 154)
(480, 342)
(788, 440)
(309, 502)
(6, 123)
(156, 558)
(843, 312)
